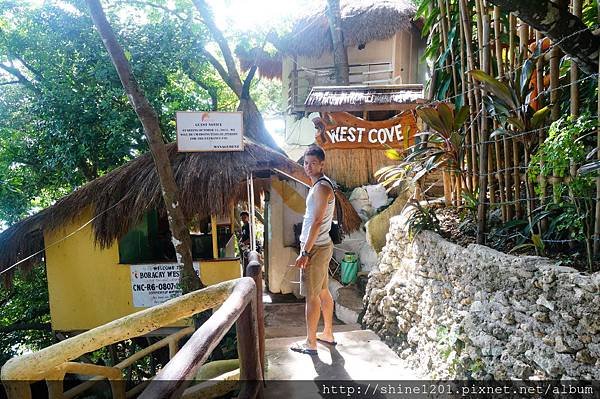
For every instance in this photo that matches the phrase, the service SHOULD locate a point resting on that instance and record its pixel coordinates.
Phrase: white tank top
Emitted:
(309, 216)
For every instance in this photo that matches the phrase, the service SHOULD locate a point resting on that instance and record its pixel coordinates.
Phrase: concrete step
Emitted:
(359, 356)
(287, 320)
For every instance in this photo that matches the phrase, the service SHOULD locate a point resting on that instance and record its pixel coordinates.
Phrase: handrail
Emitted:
(172, 380)
(240, 299)
(170, 341)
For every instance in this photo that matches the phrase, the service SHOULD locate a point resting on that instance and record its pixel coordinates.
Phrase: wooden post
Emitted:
(173, 379)
(266, 250)
(249, 352)
(254, 270)
(18, 389)
(214, 236)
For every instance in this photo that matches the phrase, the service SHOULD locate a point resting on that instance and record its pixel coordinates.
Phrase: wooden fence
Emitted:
(239, 302)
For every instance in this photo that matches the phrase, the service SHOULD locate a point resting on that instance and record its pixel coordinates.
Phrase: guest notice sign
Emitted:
(209, 131)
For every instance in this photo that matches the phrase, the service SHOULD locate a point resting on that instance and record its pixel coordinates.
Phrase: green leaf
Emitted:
(431, 117)
(539, 117)
(537, 241)
(447, 117)
(525, 78)
(393, 155)
(589, 168)
(496, 88)
(516, 122)
(521, 247)
(461, 116)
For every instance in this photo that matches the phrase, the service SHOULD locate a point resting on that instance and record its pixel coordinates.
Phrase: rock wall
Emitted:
(456, 312)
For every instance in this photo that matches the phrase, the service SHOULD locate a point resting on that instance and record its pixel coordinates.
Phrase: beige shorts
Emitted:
(315, 276)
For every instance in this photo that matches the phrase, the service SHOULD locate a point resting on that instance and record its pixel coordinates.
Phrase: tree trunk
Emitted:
(150, 123)
(562, 27)
(254, 125)
(340, 53)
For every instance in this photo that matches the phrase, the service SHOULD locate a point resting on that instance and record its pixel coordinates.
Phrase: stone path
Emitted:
(359, 356)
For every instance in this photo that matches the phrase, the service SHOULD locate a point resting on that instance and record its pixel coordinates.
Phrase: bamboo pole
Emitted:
(454, 73)
(539, 78)
(468, 102)
(445, 32)
(483, 35)
(554, 81)
(597, 216)
(473, 94)
(515, 143)
(576, 4)
(523, 54)
(497, 149)
(447, 188)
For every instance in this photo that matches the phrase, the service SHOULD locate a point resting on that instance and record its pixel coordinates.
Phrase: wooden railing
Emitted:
(302, 80)
(240, 302)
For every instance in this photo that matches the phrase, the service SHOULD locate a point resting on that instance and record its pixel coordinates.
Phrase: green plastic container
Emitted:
(349, 268)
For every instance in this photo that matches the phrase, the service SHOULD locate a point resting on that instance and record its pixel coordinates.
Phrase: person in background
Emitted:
(245, 236)
(316, 249)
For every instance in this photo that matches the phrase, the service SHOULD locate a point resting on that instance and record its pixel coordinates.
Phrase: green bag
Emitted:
(349, 268)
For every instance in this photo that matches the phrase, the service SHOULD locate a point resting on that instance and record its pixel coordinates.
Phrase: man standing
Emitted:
(316, 249)
(245, 236)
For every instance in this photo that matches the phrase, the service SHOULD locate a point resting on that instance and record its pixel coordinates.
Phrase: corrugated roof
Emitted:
(354, 98)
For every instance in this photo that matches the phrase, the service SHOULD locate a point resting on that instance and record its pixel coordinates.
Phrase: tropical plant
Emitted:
(421, 219)
(441, 147)
(558, 157)
(510, 101)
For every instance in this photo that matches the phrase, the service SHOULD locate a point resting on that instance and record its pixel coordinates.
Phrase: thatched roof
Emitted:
(352, 98)
(209, 182)
(269, 65)
(363, 21)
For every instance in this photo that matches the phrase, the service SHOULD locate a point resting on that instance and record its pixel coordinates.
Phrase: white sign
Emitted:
(156, 283)
(209, 131)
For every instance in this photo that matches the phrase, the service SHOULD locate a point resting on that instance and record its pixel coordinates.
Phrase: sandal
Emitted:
(302, 348)
(324, 341)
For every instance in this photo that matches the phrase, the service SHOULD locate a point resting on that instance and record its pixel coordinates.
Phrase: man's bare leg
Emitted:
(327, 309)
(313, 313)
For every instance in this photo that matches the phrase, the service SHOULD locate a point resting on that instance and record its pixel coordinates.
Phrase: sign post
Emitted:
(209, 131)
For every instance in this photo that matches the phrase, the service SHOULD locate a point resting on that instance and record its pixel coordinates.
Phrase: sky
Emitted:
(250, 15)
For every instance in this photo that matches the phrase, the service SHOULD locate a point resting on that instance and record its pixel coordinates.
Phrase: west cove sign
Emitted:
(339, 130)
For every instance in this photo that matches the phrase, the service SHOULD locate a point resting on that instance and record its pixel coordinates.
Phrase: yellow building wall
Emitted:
(87, 285)
(216, 271)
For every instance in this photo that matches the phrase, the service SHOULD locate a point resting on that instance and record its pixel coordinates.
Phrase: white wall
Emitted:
(282, 218)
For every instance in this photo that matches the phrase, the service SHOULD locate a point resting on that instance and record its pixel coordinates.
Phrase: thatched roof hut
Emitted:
(209, 183)
(269, 65)
(363, 21)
